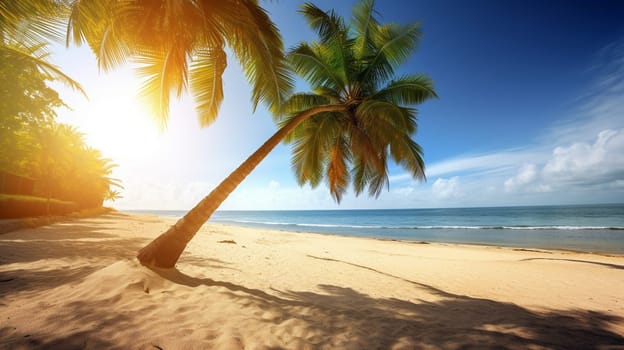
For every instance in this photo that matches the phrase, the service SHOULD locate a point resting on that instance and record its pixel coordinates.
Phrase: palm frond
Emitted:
(394, 125)
(335, 44)
(37, 56)
(408, 90)
(326, 24)
(365, 25)
(87, 20)
(301, 128)
(364, 175)
(379, 180)
(206, 83)
(376, 114)
(32, 22)
(331, 94)
(362, 145)
(300, 102)
(310, 146)
(359, 175)
(310, 63)
(165, 72)
(409, 155)
(337, 173)
(369, 150)
(256, 42)
(393, 45)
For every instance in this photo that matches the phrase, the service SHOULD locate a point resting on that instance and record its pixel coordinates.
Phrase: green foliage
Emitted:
(63, 166)
(26, 104)
(352, 66)
(26, 27)
(33, 144)
(177, 42)
(69, 169)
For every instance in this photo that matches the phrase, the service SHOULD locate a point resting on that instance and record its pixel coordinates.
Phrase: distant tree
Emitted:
(27, 104)
(113, 195)
(26, 27)
(357, 117)
(33, 144)
(92, 184)
(71, 170)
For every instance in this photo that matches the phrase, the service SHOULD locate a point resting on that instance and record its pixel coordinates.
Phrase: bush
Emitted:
(14, 206)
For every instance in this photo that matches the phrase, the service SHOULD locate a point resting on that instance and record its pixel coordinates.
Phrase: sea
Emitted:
(586, 228)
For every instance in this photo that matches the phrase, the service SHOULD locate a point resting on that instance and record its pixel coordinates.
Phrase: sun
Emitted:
(120, 125)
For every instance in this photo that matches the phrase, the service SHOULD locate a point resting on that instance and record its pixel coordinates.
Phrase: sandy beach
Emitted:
(76, 285)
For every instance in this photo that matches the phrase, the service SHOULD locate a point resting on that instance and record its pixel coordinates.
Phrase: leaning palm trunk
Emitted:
(165, 250)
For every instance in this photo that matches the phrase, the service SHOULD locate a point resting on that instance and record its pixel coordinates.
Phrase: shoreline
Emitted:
(77, 285)
(418, 242)
(593, 229)
(407, 241)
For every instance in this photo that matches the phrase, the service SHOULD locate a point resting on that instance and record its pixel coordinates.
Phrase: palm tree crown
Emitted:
(183, 42)
(354, 67)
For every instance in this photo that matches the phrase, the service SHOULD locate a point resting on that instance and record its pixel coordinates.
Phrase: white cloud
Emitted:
(584, 163)
(597, 164)
(579, 159)
(275, 196)
(404, 191)
(484, 162)
(602, 105)
(162, 195)
(526, 175)
(447, 188)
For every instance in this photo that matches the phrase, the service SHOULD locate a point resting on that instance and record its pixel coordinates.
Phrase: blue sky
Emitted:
(531, 112)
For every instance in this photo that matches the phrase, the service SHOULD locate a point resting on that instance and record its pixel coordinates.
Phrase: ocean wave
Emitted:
(519, 227)
(301, 224)
(425, 227)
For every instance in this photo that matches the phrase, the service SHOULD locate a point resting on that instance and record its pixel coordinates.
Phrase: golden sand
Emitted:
(76, 285)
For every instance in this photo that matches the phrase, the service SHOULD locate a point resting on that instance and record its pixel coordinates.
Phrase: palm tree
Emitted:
(112, 195)
(26, 26)
(346, 128)
(180, 43)
(93, 183)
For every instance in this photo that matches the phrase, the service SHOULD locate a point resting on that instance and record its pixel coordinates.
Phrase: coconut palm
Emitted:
(355, 118)
(180, 43)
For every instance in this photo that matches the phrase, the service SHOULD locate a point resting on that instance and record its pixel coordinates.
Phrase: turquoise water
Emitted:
(592, 228)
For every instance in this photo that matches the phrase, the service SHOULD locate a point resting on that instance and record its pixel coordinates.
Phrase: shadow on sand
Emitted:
(457, 321)
(72, 242)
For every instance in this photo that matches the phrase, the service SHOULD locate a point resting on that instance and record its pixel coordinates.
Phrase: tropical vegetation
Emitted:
(35, 146)
(52, 158)
(26, 28)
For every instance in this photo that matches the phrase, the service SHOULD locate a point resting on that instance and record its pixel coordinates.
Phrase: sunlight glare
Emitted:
(121, 127)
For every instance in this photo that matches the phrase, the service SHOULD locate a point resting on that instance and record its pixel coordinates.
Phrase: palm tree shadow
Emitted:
(340, 316)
